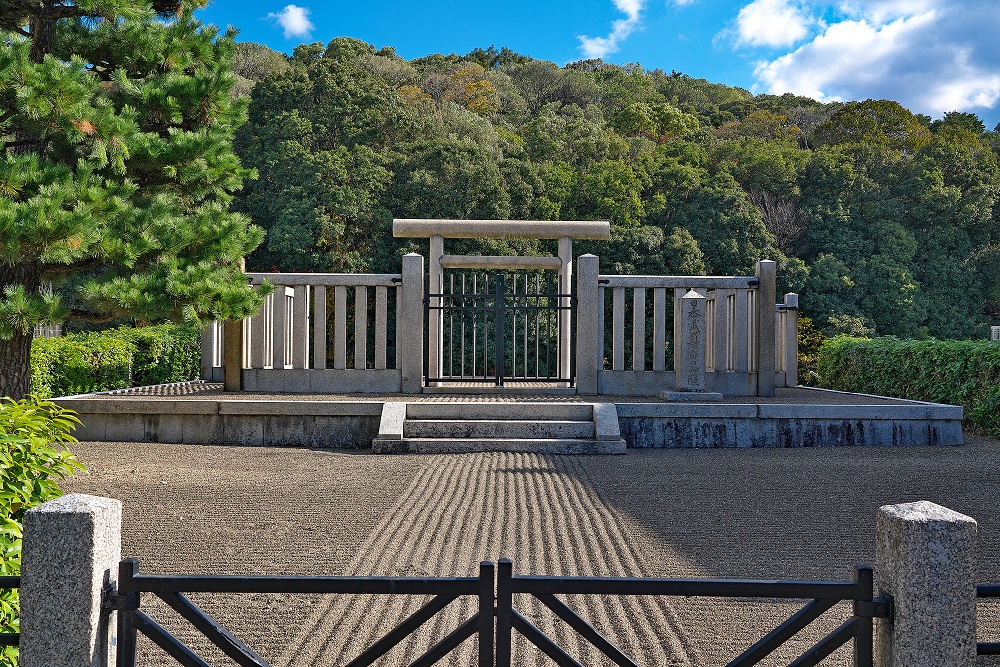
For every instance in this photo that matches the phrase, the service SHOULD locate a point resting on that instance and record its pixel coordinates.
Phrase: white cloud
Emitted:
(771, 23)
(599, 47)
(932, 56)
(294, 20)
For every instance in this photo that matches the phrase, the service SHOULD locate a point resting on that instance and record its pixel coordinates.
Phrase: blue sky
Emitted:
(931, 55)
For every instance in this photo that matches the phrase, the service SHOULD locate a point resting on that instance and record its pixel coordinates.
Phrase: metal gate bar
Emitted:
(988, 591)
(10, 638)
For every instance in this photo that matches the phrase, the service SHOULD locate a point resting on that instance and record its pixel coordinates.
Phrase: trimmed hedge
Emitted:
(114, 359)
(959, 372)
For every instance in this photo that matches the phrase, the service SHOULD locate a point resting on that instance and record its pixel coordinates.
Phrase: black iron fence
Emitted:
(496, 617)
(988, 591)
(9, 638)
(171, 589)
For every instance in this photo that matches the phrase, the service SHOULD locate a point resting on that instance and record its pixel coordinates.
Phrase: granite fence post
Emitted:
(767, 292)
(71, 550)
(589, 336)
(411, 316)
(926, 556)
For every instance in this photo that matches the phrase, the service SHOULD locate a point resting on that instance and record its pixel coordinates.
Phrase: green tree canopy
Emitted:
(116, 118)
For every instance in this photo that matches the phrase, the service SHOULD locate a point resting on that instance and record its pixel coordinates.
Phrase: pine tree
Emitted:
(116, 118)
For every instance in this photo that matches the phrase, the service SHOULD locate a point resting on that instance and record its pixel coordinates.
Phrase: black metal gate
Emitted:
(499, 327)
(496, 617)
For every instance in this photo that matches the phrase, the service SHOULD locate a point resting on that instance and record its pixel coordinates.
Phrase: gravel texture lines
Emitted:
(776, 514)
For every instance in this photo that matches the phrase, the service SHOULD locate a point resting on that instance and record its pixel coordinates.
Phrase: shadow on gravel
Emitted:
(795, 513)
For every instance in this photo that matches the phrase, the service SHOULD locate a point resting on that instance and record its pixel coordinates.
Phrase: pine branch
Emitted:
(56, 270)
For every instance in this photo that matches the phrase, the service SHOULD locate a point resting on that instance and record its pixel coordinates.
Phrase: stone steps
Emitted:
(546, 428)
(497, 428)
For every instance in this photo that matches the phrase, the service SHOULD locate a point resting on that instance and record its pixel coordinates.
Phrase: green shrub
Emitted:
(33, 455)
(959, 372)
(114, 359)
(810, 340)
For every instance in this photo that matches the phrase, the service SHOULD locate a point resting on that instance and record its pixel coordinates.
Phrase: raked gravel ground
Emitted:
(774, 514)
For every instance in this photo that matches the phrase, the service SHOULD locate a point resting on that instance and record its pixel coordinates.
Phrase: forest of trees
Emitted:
(882, 220)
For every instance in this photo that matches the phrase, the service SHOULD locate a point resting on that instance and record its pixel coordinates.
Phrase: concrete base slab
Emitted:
(817, 418)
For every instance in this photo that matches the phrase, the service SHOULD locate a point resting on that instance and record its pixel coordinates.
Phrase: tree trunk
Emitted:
(15, 360)
(15, 352)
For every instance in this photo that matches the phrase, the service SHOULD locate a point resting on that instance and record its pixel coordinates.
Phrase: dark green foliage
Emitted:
(875, 216)
(114, 359)
(811, 340)
(33, 456)
(117, 165)
(965, 373)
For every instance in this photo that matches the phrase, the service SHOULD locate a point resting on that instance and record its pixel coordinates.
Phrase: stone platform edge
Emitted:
(353, 424)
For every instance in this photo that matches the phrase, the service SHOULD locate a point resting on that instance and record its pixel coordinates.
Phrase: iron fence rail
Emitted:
(496, 617)
(170, 588)
(10, 638)
(988, 591)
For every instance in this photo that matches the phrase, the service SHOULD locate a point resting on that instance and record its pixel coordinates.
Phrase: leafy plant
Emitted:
(33, 456)
(959, 372)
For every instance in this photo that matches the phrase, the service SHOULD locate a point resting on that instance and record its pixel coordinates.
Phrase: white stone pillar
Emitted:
(589, 334)
(690, 372)
(565, 316)
(71, 550)
(926, 560)
(435, 328)
(995, 333)
(410, 313)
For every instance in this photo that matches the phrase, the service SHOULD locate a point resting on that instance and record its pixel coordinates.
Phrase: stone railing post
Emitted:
(71, 550)
(767, 291)
(232, 355)
(690, 372)
(410, 312)
(565, 316)
(925, 559)
(790, 342)
(589, 337)
(995, 333)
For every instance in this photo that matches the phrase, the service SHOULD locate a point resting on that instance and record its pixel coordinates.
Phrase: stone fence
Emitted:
(925, 560)
(364, 333)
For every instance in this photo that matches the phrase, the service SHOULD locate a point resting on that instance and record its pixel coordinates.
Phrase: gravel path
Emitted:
(795, 513)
